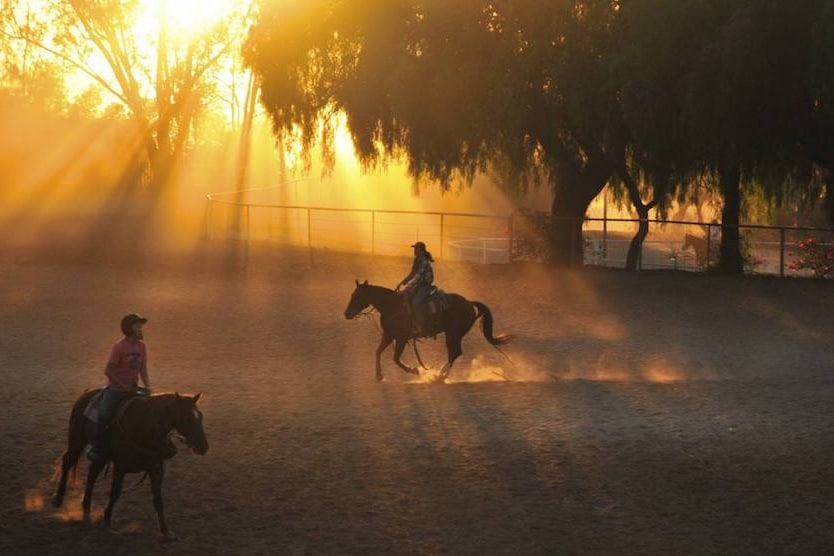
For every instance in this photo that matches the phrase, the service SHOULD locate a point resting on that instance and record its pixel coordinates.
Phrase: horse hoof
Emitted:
(169, 536)
(379, 377)
(440, 379)
(57, 501)
(414, 371)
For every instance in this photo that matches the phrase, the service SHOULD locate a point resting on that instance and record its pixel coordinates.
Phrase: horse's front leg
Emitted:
(92, 475)
(157, 473)
(399, 346)
(383, 344)
(115, 492)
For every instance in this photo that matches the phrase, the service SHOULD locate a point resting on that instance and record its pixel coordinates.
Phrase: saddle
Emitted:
(91, 411)
(438, 301)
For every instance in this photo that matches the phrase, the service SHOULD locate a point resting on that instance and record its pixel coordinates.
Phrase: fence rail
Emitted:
(492, 238)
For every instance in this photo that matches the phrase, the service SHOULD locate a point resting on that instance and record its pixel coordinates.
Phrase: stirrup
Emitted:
(96, 456)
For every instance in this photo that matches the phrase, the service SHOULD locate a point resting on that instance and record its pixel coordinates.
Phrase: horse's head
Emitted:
(358, 301)
(189, 423)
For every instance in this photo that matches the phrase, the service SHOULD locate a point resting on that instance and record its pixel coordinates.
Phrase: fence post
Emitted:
(373, 232)
(605, 227)
(781, 252)
(573, 245)
(441, 234)
(709, 237)
(209, 216)
(510, 230)
(309, 231)
(248, 225)
(483, 247)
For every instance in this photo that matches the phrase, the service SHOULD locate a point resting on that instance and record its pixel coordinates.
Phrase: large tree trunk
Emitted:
(731, 260)
(570, 203)
(636, 246)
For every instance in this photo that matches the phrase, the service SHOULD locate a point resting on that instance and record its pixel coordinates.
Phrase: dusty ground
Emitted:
(653, 413)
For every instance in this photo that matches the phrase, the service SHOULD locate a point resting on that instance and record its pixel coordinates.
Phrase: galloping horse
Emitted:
(456, 321)
(138, 439)
(699, 245)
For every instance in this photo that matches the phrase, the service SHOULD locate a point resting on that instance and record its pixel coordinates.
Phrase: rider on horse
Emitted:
(418, 284)
(128, 362)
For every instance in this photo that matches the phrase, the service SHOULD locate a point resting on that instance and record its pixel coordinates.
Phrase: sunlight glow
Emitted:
(185, 19)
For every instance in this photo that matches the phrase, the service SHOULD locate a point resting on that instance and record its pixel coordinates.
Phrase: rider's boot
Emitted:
(170, 449)
(417, 324)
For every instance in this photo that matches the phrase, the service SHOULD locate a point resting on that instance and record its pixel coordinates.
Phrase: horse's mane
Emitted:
(376, 287)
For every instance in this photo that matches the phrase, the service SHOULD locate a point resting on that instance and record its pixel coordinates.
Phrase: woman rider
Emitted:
(418, 283)
(128, 363)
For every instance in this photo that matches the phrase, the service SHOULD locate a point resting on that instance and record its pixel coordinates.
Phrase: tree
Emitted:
(26, 71)
(162, 79)
(454, 87)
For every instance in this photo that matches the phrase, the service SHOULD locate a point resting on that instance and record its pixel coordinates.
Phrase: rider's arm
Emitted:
(407, 279)
(143, 370)
(143, 373)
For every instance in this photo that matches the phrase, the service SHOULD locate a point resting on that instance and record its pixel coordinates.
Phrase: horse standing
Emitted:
(456, 321)
(138, 442)
(699, 245)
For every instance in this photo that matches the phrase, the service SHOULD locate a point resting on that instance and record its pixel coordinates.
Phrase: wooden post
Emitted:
(248, 224)
(309, 230)
(209, 215)
(604, 226)
(709, 239)
(510, 232)
(572, 245)
(373, 232)
(781, 252)
(441, 235)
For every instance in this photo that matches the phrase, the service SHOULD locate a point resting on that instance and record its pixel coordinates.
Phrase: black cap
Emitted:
(129, 320)
(420, 245)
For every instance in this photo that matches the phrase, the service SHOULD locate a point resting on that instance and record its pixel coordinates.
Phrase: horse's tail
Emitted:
(485, 314)
(76, 440)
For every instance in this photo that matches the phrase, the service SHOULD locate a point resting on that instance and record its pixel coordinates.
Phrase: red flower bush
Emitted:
(816, 257)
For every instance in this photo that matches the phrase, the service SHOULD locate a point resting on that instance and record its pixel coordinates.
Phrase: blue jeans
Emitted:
(110, 400)
(418, 302)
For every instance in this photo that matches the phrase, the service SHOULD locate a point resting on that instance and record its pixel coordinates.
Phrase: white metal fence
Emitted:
(488, 238)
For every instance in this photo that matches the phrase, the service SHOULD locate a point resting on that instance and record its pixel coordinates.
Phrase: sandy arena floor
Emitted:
(653, 413)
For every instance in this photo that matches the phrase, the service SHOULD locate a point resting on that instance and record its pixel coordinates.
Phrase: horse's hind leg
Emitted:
(454, 350)
(68, 461)
(75, 446)
(92, 475)
(115, 492)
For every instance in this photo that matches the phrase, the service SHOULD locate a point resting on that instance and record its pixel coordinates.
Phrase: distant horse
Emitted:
(455, 322)
(699, 245)
(139, 442)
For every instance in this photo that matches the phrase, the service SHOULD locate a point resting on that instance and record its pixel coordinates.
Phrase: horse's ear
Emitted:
(365, 283)
(357, 283)
(197, 397)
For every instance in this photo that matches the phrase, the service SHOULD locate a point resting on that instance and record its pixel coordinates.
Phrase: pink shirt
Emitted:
(128, 357)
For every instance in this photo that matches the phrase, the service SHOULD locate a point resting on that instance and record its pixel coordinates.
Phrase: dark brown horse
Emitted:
(139, 443)
(455, 322)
